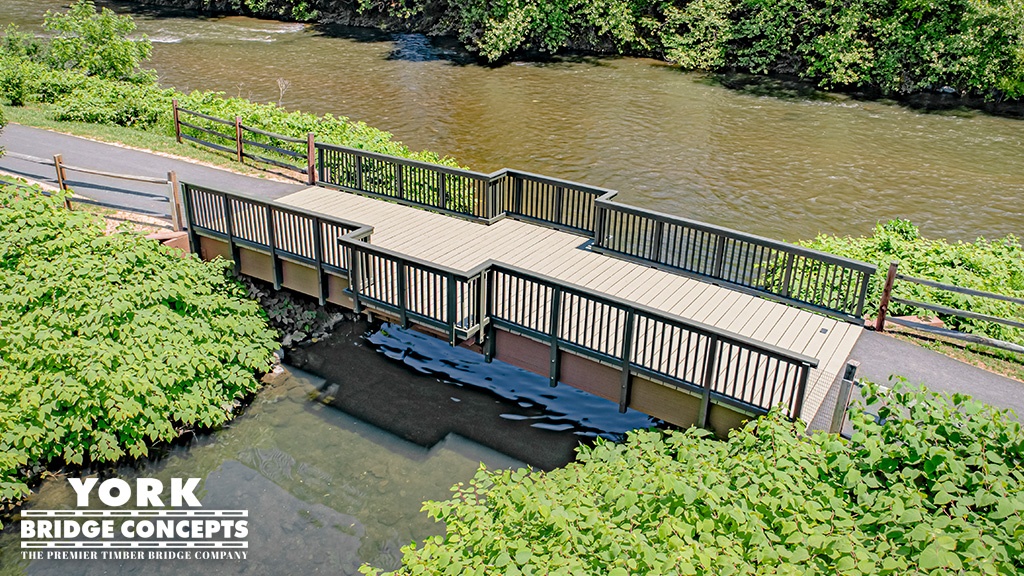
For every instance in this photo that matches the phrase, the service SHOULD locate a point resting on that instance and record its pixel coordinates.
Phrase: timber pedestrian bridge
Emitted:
(685, 321)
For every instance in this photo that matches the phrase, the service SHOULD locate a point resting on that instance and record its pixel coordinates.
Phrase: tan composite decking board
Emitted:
(463, 244)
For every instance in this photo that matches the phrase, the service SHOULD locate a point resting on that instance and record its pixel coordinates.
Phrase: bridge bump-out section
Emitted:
(667, 403)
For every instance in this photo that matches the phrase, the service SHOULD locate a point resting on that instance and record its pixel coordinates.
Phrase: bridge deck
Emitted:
(462, 244)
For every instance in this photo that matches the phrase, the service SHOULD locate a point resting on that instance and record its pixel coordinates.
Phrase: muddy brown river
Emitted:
(671, 141)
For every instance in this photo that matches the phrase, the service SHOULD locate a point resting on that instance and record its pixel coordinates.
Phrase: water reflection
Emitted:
(325, 491)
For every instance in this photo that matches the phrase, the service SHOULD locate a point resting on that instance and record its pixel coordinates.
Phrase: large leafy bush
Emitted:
(988, 265)
(109, 343)
(98, 43)
(935, 486)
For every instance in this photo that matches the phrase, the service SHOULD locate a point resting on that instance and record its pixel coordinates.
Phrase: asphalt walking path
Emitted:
(880, 355)
(142, 197)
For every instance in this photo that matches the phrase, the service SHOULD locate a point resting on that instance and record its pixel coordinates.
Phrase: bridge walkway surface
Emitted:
(463, 244)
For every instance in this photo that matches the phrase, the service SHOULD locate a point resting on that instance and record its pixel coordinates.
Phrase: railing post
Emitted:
(801, 390)
(487, 286)
(883, 306)
(710, 368)
(195, 243)
(659, 233)
(229, 226)
(481, 306)
(556, 216)
(172, 181)
(553, 331)
(719, 257)
(865, 280)
(58, 164)
(442, 190)
(843, 399)
(310, 159)
(353, 277)
(625, 384)
(239, 152)
(787, 274)
(177, 120)
(318, 255)
(359, 172)
(452, 304)
(272, 243)
(599, 215)
(399, 183)
(519, 195)
(403, 298)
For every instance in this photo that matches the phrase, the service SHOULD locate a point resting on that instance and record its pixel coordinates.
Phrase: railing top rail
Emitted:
(694, 325)
(597, 190)
(274, 135)
(736, 234)
(959, 289)
(350, 240)
(206, 116)
(358, 230)
(406, 161)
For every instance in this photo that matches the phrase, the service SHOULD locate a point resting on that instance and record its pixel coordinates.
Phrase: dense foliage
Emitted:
(109, 343)
(973, 46)
(935, 486)
(988, 265)
(90, 73)
(97, 43)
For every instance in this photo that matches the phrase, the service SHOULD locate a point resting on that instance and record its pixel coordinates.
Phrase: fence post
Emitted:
(238, 139)
(310, 160)
(177, 120)
(843, 399)
(176, 223)
(61, 175)
(883, 306)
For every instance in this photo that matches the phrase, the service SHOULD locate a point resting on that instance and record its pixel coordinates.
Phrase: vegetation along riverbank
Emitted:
(959, 47)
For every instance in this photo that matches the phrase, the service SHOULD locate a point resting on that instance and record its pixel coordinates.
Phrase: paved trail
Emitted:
(880, 355)
(151, 199)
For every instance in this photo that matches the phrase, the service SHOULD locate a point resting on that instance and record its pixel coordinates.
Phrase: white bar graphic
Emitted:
(135, 513)
(130, 544)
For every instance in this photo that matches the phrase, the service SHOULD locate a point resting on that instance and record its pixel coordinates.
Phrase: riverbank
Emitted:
(856, 46)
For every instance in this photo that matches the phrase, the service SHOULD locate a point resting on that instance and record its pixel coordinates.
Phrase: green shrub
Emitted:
(936, 488)
(111, 342)
(112, 102)
(97, 43)
(18, 80)
(988, 265)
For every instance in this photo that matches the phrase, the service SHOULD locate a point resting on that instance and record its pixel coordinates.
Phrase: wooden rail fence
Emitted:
(61, 168)
(803, 277)
(889, 298)
(715, 364)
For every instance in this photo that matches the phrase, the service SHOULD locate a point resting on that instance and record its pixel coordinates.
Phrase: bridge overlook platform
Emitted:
(464, 245)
